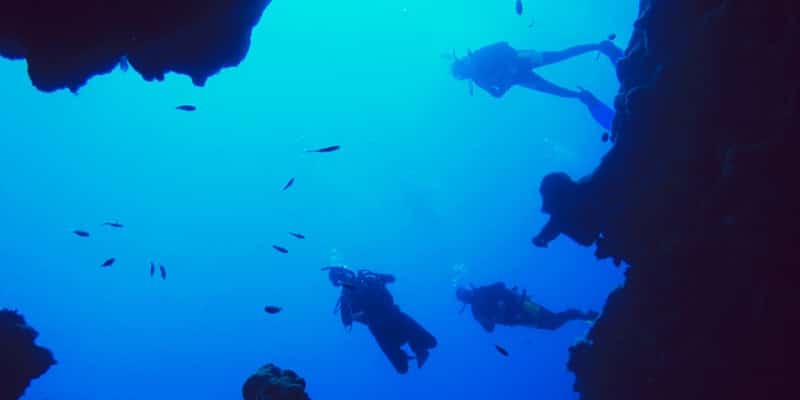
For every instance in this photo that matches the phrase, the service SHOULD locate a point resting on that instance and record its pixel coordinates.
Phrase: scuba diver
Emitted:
(366, 299)
(496, 304)
(573, 208)
(498, 67)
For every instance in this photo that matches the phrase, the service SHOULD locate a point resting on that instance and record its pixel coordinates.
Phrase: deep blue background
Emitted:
(429, 179)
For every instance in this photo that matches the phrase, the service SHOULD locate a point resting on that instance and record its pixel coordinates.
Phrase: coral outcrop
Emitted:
(273, 383)
(67, 42)
(698, 196)
(21, 360)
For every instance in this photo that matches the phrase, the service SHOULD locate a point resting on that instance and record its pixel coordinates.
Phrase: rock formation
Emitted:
(21, 360)
(272, 383)
(67, 42)
(697, 196)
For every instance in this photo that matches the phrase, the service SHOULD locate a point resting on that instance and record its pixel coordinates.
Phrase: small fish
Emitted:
(272, 309)
(297, 235)
(501, 350)
(533, 22)
(349, 285)
(471, 88)
(612, 36)
(81, 233)
(280, 249)
(518, 7)
(325, 149)
(152, 269)
(107, 263)
(163, 272)
(186, 107)
(113, 224)
(288, 184)
(605, 137)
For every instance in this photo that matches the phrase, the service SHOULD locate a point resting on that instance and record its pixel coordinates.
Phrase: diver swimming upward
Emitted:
(498, 67)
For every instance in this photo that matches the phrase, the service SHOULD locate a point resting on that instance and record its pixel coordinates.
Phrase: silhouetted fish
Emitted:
(297, 235)
(349, 285)
(612, 36)
(325, 149)
(108, 262)
(272, 309)
(152, 269)
(501, 350)
(81, 233)
(186, 107)
(163, 272)
(288, 184)
(518, 7)
(113, 224)
(605, 137)
(280, 249)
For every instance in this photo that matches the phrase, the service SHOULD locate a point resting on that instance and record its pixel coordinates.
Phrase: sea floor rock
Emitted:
(273, 383)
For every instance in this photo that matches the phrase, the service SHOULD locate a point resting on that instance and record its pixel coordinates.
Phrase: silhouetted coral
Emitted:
(698, 196)
(272, 383)
(20, 359)
(68, 42)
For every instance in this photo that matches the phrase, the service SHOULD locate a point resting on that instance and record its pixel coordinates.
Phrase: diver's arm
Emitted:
(346, 312)
(488, 326)
(547, 234)
(493, 89)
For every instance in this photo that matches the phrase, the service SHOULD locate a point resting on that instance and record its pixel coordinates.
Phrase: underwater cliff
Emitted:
(698, 197)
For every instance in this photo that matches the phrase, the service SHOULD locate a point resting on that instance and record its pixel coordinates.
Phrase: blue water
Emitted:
(431, 185)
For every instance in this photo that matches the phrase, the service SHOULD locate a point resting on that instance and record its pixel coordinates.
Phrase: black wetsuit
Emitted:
(498, 67)
(496, 304)
(366, 299)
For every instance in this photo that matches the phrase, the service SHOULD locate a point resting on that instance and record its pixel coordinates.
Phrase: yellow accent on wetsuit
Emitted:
(531, 308)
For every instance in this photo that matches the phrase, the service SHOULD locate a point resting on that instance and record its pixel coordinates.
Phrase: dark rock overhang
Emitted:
(67, 42)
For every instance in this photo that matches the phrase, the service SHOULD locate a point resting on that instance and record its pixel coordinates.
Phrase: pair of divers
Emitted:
(496, 304)
(365, 299)
(498, 67)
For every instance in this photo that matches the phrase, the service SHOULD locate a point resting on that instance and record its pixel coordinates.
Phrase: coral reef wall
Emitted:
(698, 196)
(68, 42)
(21, 360)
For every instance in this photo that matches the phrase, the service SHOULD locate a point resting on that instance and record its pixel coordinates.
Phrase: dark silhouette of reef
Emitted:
(68, 42)
(273, 383)
(21, 360)
(698, 195)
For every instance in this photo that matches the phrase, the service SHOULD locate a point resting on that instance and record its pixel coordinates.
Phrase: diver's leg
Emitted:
(611, 50)
(419, 339)
(390, 345)
(601, 113)
(535, 82)
(552, 57)
(557, 320)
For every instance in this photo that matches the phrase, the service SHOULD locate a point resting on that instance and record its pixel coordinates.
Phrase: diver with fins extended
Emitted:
(498, 67)
(365, 299)
(497, 304)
